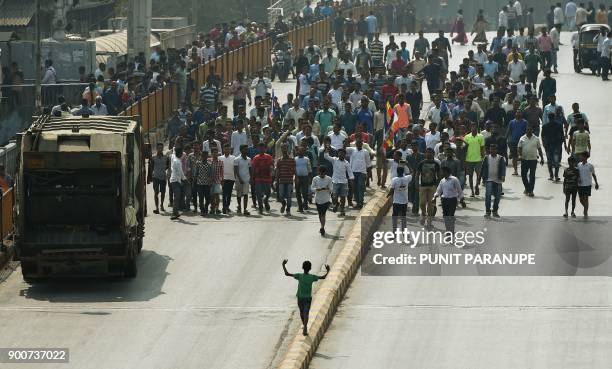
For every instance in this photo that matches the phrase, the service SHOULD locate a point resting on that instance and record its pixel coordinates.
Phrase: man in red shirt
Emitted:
(263, 167)
(389, 89)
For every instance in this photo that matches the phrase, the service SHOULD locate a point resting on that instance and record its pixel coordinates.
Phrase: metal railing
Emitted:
(6, 214)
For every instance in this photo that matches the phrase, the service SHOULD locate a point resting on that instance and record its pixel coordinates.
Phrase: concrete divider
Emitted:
(328, 297)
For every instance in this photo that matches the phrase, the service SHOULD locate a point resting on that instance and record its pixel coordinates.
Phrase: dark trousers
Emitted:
(605, 67)
(399, 215)
(301, 191)
(228, 186)
(204, 197)
(360, 179)
(194, 195)
(528, 174)
(177, 197)
(237, 103)
(449, 205)
(548, 59)
(553, 158)
(492, 190)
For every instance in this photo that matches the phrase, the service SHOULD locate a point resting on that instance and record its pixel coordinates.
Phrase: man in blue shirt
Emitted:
(365, 115)
(372, 26)
(551, 108)
(490, 67)
(497, 41)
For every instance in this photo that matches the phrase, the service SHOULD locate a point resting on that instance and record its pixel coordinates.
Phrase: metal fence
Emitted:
(6, 214)
(162, 104)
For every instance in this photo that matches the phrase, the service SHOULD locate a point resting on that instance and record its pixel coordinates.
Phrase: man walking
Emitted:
(529, 149)
(285, 173)
(428, 171)
(177, 177)
(243, 173)
(473, 159)
(449, 189)
(159, 164)
(399, 191)
(229, 177)
(360, 162)
(304, 291)
(263, 167)
(493, 175)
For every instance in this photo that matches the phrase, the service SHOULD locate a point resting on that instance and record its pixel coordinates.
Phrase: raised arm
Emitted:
(285, 269)
(326, 272)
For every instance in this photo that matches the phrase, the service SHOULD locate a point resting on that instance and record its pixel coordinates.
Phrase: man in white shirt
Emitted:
(581, 16)
(336, 93)
(493, 174)
(555, 35)
(528, 150)
(360, 165)
(570, 14)
(558, 16)
(585, 182)
(322, 186)
(449, 189)
(238, 138)
(177, 176)
(337, 137)
(481, 55)
(50, 76)
(516, 68)
(99, 108)
(518, 9)
(295, 113)
(502, 18)
(399, 191)
(207, 52)
(242, 174)
(261, 84)
(434, 112)
(228, 177)
(432, 138)
(341, 175)
(346, 65)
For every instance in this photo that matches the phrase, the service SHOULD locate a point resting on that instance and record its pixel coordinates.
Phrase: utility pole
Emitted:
(38, 64)
(139, 27)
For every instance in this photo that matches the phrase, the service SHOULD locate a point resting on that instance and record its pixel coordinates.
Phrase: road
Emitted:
(209, 294)
(489, 322)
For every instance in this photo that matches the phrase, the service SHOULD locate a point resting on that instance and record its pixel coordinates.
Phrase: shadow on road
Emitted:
(146, 286)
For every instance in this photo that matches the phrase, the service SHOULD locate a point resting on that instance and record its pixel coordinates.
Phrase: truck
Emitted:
(80, 200)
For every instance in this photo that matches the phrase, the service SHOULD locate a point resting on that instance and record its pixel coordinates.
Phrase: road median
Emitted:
(328, 297)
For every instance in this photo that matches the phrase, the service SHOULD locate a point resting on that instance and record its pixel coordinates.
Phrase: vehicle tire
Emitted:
(139, 245)
(283, 75)
(577, 68)
(131, 269)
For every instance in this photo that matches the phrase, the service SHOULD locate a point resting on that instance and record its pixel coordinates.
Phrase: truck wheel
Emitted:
(139, 245)
(131, 270)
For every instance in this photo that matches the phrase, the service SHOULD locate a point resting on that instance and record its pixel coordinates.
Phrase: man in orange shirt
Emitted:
(403, 112)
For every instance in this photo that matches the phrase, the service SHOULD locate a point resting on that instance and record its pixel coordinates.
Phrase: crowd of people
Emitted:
(359, 111)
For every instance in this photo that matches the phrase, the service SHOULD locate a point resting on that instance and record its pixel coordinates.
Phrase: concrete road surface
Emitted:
(490, 322)
(210, 294)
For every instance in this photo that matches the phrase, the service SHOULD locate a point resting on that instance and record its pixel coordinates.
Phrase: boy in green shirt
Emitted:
(304, 292)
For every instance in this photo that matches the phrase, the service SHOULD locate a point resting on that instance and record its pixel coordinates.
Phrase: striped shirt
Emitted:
(209, 95)
(376, 50)
(286, 170)
(217, 171)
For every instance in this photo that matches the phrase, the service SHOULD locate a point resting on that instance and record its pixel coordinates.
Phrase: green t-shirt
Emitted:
(475, 143)
(305, 282)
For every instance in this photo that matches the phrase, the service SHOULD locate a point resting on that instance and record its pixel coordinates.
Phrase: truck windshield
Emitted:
(73, 197)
